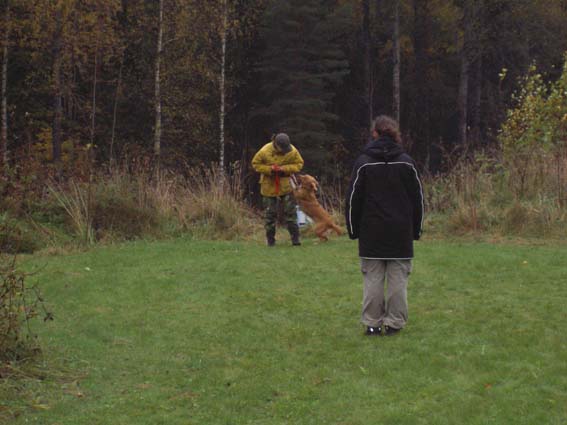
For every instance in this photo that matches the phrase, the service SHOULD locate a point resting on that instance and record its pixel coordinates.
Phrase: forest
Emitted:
(194, 81)
(150, 92)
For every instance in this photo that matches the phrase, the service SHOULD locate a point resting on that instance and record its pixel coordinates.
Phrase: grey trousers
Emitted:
(390, 307)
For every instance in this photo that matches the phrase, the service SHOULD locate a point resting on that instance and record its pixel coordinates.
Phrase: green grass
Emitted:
(188, 332)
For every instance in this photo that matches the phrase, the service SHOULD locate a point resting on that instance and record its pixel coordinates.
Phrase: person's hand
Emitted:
(276, 169)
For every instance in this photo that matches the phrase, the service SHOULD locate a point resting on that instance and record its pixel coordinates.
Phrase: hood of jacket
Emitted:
(383, 149)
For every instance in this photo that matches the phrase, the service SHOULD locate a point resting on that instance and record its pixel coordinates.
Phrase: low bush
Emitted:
(19, 303)
(121, 210)
(16, 237)
(211, 206)
(122, 219)
(469, 218)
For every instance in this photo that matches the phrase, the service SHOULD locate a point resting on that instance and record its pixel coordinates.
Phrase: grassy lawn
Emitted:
(188, 332)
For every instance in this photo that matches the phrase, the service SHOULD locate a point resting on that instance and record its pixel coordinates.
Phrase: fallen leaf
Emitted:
(40, 406)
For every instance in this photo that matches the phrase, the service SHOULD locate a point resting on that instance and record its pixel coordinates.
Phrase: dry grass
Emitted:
(486, 195)
(480, 195)
(126, 204)
(76, 199)
(211, 206)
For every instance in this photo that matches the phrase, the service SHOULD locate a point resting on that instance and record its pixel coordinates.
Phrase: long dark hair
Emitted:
(387, 126)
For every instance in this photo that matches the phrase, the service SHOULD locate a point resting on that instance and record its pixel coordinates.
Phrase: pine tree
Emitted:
(301, 66)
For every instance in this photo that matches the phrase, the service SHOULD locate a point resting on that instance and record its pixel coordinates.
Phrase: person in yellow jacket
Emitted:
(275, 162)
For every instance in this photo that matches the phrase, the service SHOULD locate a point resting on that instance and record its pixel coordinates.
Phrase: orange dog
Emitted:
(304, 191)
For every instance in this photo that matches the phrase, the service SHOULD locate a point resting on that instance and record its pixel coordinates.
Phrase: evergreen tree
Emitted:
(301, 66)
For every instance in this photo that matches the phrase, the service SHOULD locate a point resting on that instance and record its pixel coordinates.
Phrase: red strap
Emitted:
(277, 183)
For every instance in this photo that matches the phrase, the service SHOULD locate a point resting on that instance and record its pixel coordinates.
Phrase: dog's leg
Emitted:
(320, 232)
(337, 229)
(293, 182)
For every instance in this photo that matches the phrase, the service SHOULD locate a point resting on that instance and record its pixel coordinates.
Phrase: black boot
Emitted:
(294, 233)
(271, 237)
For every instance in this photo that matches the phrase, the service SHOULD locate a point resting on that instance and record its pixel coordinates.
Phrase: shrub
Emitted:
(469, 218)
(121, 210)
(108, 208)
(211, 207)
(15, 237)
(534, 137)
(531, 219)
(18, 305)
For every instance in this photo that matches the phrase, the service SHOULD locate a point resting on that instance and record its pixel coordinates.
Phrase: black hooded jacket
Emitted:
(384, 204)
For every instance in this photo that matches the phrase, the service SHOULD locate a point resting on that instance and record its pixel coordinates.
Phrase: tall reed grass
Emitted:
(76, 199)
(125, 204)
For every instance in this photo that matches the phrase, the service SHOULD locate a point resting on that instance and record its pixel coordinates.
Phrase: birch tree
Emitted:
(4, 132)
(117, 93)
(56, 77)
(157, 100)
(223, 37)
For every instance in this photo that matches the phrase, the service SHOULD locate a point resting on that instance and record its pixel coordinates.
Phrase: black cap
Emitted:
(281, 141)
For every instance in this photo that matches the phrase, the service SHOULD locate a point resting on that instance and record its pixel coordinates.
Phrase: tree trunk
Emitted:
(57, 91)
(115, 109)
(463, 98)
(72, 107)
(366, 51)
(462, 102)
(420, 114)
(157, 135)
(4, 135)
(476, 77)
(476, 98)
(93, 112)
(396, 72)
(224, 34)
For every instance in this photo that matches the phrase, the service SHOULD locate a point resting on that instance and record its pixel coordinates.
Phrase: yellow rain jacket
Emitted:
(291, 162)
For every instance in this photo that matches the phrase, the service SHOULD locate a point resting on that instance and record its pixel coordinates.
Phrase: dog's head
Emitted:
(308, 182)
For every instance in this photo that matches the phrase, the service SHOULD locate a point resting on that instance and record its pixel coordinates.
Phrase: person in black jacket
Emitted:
(384, 211)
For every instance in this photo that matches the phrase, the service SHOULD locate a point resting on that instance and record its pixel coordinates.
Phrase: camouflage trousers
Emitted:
(271, 206)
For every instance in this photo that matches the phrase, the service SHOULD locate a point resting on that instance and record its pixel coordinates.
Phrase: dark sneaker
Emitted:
(391, 331)
(295, 242)
(271, 242)
(373, 331)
